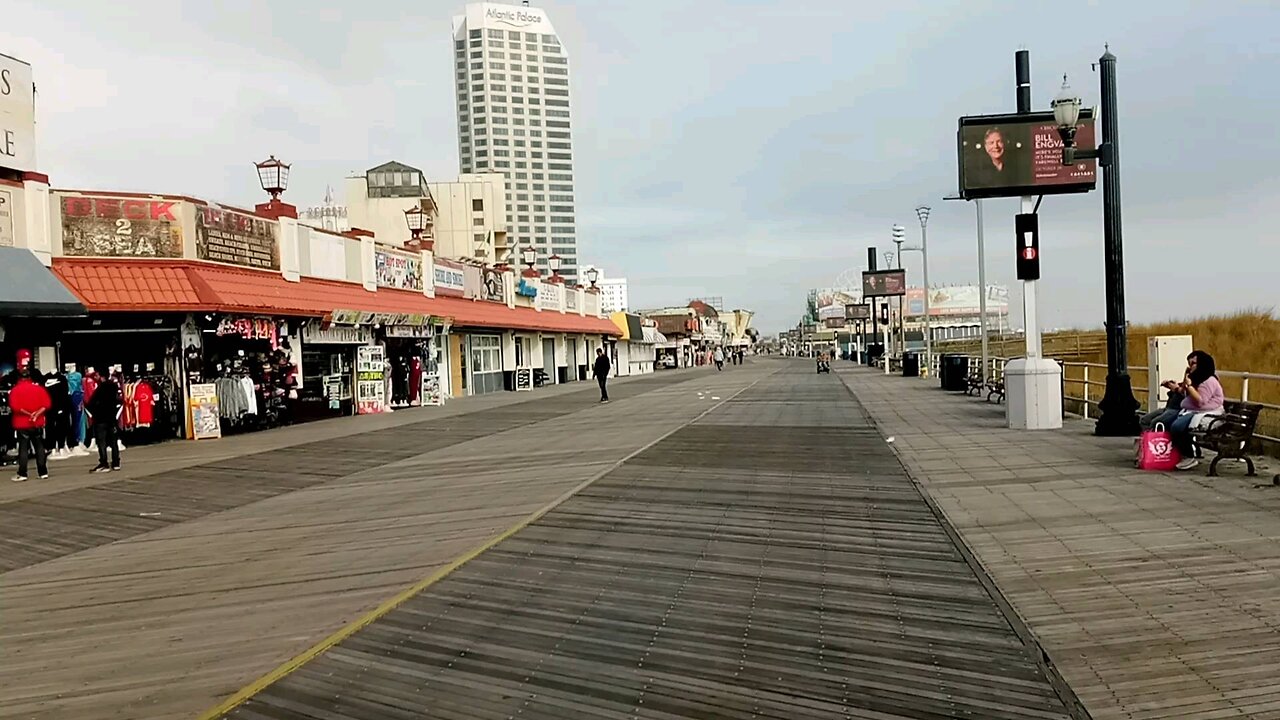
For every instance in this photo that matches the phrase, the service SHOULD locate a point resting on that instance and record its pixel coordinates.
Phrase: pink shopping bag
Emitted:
(1156, 450)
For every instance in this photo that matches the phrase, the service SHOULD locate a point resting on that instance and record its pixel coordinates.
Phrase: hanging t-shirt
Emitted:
(144, 401)
(251, 396)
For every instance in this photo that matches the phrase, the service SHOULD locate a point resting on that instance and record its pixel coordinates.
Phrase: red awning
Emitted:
(132, 285)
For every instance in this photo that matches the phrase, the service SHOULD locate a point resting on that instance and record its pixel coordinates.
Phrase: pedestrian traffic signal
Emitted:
(1027, 227)
(884, 314)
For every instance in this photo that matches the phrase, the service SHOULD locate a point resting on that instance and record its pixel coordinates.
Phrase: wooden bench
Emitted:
(1229, 434)
(995, 389)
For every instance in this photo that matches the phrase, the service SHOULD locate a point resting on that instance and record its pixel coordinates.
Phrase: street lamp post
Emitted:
(529, 256)
(1118, 407)
(899, 237)
(888, 312)
(922, 213)
(592, 276)
(983, 326)
(553, 263)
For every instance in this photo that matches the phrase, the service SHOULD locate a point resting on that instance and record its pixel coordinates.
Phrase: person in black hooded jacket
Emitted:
(104, 408)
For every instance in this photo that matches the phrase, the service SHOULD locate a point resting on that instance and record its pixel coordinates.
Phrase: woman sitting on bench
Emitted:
(1204, 399)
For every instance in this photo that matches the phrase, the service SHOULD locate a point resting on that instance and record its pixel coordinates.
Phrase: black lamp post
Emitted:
(1118, 408)
(592, 276)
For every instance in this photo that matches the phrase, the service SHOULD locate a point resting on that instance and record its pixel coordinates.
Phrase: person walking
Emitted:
(719, 357)
(601, 372)
(29, 403)
(104, 410)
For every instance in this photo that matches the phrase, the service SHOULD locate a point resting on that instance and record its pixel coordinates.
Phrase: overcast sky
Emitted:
(750, 149)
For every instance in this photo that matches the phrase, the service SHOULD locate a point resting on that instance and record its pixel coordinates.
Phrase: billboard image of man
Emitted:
(995, 157)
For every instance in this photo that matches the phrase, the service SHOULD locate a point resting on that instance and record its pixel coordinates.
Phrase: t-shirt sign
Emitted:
(450, 279)
(236, 238)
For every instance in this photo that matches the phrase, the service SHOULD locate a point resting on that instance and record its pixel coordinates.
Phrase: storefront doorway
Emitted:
(485, 364)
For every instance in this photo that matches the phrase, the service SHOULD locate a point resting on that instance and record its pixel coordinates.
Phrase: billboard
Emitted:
(119, 226)
(236, 238)
(830, 302)
(957, 301)
(402, 271)
(857, 312)
(884, 283)
(1013, 155)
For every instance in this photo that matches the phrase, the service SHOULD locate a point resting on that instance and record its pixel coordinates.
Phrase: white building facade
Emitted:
(511, 77)
(613, 291)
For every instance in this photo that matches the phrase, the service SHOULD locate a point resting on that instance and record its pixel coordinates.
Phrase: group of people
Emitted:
(30, 405)
(1192, 404)
(737, 356)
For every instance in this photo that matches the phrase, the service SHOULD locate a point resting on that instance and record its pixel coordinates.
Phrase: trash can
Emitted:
(910, 364)
(953, 371)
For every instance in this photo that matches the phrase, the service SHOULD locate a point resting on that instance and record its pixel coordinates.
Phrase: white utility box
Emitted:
(1166, 360)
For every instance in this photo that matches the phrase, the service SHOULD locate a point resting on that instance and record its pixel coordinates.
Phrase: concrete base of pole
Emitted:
(1033, 394)
(1118, 409)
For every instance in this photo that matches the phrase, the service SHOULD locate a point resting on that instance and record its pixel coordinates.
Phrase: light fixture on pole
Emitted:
(529, 256)
(922, 214)
(274, 176)
(900, 236)
(592, 276)
(554, 263)
(416, 218)
(1118, 408)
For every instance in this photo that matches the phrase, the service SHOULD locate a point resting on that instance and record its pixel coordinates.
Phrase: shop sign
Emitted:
(248, 328)
(398, 270)
(206, 423)
(371, 389)
(431, 393)
(409, 331)
(109, 226)
(6, 218)
(524, 379)
(450, 278)
(313, 332)
(351, 317)
(571, 299)
(236, 238)
(17, 114)
(492, 286)
(549, 296)
(526, 289)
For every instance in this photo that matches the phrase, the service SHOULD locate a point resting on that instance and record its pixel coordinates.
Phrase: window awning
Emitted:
(28, 289)
(111, 285)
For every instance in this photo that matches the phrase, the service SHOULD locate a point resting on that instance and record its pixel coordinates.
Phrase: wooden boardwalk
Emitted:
(1156, 595)
(110, 610)
(770, 560)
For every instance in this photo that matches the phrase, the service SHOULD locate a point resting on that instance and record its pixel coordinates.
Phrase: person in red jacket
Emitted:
(30, 404)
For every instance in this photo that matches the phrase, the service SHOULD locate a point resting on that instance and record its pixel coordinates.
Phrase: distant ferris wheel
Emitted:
(850, 279)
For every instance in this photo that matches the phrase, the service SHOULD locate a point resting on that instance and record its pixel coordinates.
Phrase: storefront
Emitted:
(249, 362)
(329, 369)
(414, 364)
(35, 308)
(482, 369)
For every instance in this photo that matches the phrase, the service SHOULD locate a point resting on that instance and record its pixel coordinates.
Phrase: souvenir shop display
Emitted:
(409, 353)
(371, 391)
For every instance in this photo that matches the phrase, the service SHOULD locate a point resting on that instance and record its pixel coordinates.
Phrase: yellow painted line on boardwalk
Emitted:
(351, 628)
